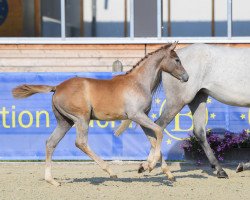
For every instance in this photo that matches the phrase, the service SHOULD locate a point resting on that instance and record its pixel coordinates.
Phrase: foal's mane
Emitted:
(149, 54)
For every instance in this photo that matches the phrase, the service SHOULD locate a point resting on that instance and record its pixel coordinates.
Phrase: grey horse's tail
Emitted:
(24, 91)
(124, 125)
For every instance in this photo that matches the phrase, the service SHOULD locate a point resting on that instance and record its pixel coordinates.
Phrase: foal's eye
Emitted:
(177, 60)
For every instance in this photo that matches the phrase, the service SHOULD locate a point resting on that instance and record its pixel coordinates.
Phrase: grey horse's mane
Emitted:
(149, 54)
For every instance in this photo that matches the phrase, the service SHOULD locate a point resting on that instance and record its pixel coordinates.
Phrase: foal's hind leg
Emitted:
(198, 109)
(82, 143)
(62, 127)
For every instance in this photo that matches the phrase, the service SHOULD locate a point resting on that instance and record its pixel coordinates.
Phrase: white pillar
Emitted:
(63, 33)
(229, 18)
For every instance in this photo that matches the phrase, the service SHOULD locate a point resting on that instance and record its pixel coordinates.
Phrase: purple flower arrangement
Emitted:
(220, 144)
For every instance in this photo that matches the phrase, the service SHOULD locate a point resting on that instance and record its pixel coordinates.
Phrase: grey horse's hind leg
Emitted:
(82, 143)
(198, 109)
(242, 167)
(62, 127)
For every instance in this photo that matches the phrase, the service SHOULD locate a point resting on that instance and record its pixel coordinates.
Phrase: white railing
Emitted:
(135, 40)
(132, 39)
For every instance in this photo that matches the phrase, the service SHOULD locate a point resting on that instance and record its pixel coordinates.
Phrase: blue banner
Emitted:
(26, 124)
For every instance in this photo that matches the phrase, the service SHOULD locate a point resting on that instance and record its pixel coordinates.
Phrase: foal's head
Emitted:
(171, 64)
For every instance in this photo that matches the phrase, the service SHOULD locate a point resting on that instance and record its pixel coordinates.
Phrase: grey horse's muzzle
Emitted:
(184, 77)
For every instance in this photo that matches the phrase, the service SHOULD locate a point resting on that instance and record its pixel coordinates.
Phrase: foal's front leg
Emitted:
(170, 109)
(143, 120)
(145, 165)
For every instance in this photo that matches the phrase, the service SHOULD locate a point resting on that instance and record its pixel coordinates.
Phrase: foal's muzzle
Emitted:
(184, 77)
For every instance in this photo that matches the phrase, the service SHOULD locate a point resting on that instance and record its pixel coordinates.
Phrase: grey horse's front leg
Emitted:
(198, 109)
(242, 167)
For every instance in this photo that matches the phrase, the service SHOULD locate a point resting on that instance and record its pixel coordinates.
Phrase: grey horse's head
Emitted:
(171, 63)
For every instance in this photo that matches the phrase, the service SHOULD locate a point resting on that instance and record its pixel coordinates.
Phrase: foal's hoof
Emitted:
(141, 169)
(114, 176)
(57, 184)
(53, 182)
(222, 174)
(239, 168)
(151, 166)
(150, 169)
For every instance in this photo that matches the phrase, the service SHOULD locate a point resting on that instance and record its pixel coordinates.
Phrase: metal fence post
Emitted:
(159, 19)
(229, 18)
(132, 19)
(63, 24)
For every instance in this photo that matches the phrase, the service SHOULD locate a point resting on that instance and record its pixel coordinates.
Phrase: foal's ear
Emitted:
(172, 47)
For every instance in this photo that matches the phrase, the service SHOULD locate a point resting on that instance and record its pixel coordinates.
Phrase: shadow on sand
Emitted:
(159, 178)
(102, 180)
(187, 167)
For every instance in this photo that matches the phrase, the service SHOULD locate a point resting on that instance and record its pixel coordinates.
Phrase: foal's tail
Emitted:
(24, 91)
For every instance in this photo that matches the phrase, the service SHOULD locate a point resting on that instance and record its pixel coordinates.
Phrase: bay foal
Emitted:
(78, 100)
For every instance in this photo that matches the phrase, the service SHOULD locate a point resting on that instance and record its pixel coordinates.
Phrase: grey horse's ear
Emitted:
(173, 46)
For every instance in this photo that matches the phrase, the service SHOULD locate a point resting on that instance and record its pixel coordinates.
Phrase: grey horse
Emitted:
(242, 167)
(218, 71)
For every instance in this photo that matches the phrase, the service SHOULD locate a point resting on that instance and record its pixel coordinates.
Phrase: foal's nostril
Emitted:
(185, 77)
